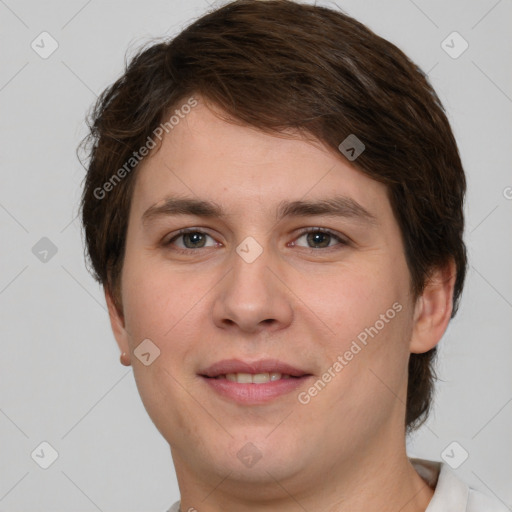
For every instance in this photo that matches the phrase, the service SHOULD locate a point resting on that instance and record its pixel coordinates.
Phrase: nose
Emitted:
(253, 297)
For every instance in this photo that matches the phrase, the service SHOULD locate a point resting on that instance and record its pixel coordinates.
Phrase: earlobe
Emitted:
(433, 309)
(117, 322)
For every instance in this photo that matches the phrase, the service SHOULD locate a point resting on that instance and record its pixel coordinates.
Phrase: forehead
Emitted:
(243, 168)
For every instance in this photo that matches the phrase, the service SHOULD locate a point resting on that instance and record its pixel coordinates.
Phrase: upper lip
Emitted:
(262, 366)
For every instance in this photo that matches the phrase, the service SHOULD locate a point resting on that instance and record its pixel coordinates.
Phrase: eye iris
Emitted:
(195, 237)
(314, 238)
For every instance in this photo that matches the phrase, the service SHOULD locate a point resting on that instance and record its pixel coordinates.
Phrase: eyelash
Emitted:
(341, 240)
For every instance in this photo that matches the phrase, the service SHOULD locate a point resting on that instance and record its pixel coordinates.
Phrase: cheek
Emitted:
(350, 299)
(158, 300)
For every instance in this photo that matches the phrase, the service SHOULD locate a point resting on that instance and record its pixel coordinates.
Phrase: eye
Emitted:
(321, 238)
(191, 239)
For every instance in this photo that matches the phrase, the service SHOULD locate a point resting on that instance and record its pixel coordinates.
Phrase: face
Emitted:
(322, 288)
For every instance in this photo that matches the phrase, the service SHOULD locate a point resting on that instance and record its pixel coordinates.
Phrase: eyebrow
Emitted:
(337, 206)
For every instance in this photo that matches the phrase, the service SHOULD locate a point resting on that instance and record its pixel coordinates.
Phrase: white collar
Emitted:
(450, 492)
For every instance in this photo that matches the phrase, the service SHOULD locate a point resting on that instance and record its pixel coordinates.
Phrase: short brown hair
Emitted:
(276, 65)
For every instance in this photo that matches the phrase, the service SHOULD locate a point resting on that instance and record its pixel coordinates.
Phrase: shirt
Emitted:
(451, 494)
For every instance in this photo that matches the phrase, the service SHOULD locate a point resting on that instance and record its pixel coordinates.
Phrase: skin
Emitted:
(298, 302)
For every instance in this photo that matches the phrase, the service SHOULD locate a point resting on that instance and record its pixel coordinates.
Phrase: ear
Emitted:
(433, 309)
(117, 322)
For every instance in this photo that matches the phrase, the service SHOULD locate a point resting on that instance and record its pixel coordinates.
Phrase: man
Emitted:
(274, 206)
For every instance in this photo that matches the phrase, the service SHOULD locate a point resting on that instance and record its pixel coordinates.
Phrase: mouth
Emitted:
(253, 383)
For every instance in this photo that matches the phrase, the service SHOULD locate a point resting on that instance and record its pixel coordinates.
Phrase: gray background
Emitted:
(61, 381)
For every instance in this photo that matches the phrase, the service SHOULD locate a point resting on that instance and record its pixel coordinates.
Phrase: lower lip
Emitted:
(255, 393)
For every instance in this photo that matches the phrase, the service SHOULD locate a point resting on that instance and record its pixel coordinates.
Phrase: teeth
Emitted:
(248, 378)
